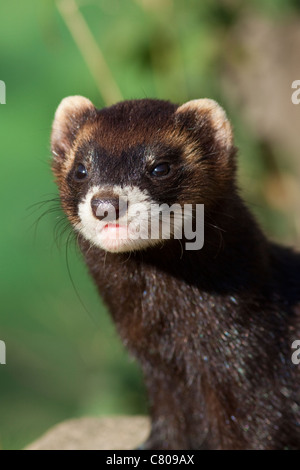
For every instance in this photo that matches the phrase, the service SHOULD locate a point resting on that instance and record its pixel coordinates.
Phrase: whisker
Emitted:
(69, 239)
(42, 203)
(61, 227)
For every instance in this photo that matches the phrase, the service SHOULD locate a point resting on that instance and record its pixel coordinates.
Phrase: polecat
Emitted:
(212, 328)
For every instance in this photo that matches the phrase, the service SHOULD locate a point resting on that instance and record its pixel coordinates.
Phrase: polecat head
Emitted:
(113, 166)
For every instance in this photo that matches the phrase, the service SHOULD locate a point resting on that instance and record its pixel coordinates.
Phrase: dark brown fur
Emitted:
(212, 329)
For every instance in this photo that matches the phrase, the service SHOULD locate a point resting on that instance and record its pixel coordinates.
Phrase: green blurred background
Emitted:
(64, 359)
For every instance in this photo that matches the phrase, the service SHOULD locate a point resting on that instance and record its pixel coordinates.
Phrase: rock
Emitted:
(109, 433)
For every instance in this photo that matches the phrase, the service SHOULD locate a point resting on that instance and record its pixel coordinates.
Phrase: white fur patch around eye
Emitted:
(68, 162)
(150, 159)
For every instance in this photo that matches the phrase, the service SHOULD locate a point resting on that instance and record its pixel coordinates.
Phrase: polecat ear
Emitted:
(71, 113)
(207, 108)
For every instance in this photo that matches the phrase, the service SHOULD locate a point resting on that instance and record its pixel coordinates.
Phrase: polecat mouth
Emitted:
(118, 238)
(115, 231)
(108, 226)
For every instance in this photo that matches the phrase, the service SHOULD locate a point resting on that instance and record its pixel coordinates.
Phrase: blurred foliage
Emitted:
(64, 359)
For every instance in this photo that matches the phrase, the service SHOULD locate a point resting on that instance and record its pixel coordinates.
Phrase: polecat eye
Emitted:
(80, 172)
(161, 170)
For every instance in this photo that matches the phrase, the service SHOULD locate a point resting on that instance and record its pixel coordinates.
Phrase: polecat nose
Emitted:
(108, 209)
